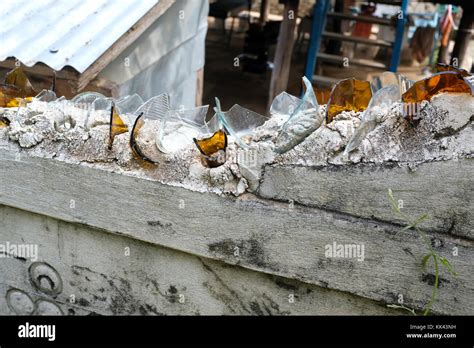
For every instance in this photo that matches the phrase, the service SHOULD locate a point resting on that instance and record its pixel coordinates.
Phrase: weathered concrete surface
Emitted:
(108, 274)
(442, 189)
(270, 237)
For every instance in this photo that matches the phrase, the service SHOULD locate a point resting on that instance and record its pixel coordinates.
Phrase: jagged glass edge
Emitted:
(223, 122)
(356, 138)
(177, 114)
(165, 104)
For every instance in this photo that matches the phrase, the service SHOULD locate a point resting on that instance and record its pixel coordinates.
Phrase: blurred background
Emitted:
(242, 51)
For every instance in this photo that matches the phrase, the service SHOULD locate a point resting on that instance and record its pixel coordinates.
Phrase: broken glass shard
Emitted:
(155, 108)
(46, 95)
(287, 105)
(303, 121)
(389, 78)
(18, 78)
(117, 126)
(179, 127)
(102, 103)
(348, 95)
(129, 104)
(239, 122)
(440, 67)
(8, 93)
(213, 148)
(62, 122)
(322, 96)
(443, 82)
(136, 150)
(379, 105)
(86, 97)
(284, 104)
(4, 122)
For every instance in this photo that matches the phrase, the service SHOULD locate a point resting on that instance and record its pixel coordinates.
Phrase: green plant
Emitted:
(438, 260)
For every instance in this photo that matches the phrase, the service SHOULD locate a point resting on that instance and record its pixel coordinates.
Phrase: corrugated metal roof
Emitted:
(65, 32)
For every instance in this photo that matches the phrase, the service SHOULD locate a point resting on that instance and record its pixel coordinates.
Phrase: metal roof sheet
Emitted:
(65, 32)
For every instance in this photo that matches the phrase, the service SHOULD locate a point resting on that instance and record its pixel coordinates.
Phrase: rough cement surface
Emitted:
(69, 133)
(445, 132)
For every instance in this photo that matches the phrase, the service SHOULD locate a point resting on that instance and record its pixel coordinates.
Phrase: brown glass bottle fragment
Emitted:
(137, 152)
(117, 126)
(4, 122)
(348, 95)
(18, 78)
(443, 82)
(213, 148)
(440, 67)
(322, 96)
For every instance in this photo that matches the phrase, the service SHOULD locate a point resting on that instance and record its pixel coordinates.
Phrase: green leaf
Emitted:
(392, 201)
(424, 261)
(447, 265)
(416, 222)
(390, 195)
(420, 219)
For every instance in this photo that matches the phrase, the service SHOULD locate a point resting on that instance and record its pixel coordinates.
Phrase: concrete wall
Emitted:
(110, 274)
(125, 245)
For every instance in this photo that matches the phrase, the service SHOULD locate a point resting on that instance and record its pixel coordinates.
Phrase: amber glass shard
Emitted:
(213, 148)
(8, 94)
(348, 95)
(137, 152)
(440, 67)
(443, 82)
(4, 122)
(322, 96)
(117, 126)
(17, 78)
(447, 81)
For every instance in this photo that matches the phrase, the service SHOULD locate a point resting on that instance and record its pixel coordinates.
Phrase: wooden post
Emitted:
(463, 37)
(264, 11)
(284, 49)
(199, 86)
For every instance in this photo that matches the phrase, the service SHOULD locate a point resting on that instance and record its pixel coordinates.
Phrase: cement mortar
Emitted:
(72, 135)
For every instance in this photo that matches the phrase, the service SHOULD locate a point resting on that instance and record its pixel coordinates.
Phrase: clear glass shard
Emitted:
(155, 108)
(129, 104)
(179, 127)
(380, 104)
(86, 97)
(46, 95)
(102, 103)
(287, 104)
(390, 78)
(284, 104)
(239, 121)
(297, 129)
(302, 121)
(243, 121)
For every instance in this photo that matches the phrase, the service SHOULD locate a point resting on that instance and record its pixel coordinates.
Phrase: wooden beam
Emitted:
(125, 41)
(286, 40)
(41, 69)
